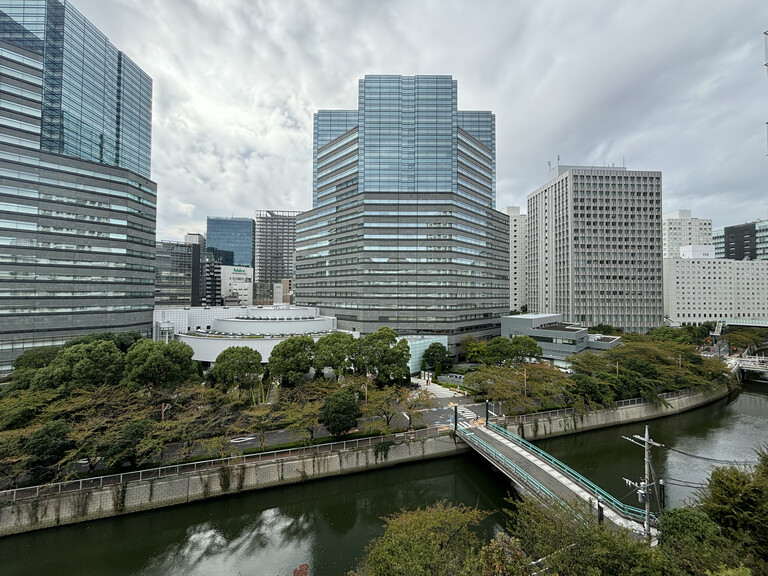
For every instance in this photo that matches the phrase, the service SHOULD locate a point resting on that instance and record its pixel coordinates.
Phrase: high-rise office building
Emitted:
(77, 208)
(177, 274)
(594, 247)
(403, 231)
(195, 238)
(275, 245)
(679, 229)
(518, 252)
(743, 241)
(237, 235)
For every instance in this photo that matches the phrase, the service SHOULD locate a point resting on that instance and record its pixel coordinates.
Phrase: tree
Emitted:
(693, 543)
(438, 371)
(472, 348)
(334, 351)
(381, 355)
(439, 540)
(498, 352)
(435, 353)
(82, 366)
(123, 340)
(573, 542)
(340, 412)
(240, 367)
(35, 358)
(524, 348)
(47, 446)
(291, 360)
(737, 500)
(159, 365)
(130, 444)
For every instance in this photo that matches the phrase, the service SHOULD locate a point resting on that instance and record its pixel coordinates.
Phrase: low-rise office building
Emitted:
(211, 330)
(557, 339)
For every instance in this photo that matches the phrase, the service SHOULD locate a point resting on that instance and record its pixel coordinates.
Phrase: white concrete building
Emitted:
(594, 247)
(518, 249)
(679, 229)
(557, 339)
(707, 289)
(237, 285)
(210, 330)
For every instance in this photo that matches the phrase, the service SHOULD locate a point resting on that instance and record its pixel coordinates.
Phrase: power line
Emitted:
(715, 460)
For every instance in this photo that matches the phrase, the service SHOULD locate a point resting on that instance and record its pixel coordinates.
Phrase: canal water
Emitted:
(730, 430)
(328, 523)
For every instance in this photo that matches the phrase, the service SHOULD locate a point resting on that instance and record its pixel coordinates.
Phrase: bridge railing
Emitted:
(607, 499)
(500, 458)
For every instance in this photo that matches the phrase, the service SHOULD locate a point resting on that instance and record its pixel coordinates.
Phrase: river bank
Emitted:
(41, 507)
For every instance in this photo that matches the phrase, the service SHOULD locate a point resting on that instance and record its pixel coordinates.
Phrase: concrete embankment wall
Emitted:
(90, 504)
(562, 422)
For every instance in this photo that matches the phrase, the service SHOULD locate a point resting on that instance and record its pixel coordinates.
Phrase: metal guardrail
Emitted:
(493, 454)
(607, 499)
(15, 494)
(534, 416)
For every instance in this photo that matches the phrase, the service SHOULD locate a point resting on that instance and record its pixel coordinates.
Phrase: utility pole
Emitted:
(644, 487)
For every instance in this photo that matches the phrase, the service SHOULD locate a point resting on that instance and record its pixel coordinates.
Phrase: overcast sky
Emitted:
(676, 86)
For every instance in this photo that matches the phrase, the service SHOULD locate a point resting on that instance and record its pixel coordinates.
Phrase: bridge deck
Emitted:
(545, 475)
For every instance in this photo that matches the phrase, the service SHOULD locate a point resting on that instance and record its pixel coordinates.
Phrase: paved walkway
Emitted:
(559, 484)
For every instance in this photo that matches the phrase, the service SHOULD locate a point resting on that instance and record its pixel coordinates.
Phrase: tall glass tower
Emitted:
(237, 235)
(77, 207)
(403, 231)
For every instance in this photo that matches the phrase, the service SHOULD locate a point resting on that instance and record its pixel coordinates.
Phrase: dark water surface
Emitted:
(327, 523)
(730, 429)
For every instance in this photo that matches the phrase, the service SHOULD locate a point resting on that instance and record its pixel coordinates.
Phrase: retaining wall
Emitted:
(48, 510)
(568, 421)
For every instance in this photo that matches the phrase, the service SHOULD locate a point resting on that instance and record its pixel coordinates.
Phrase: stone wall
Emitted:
(562, 422)
(90, 504)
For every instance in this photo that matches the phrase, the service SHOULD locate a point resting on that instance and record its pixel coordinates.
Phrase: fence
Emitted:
(624, 509)
(533, 417)
(15, 494)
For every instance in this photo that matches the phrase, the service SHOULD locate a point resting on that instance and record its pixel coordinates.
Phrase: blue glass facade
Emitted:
(237, 235)
(403, 230)
(97, 104)
(77, 221)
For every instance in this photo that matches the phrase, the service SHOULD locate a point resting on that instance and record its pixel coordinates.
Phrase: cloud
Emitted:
(656, 85)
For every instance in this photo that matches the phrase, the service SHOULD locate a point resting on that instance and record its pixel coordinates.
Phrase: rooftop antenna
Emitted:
(558, 159)
(549, 164)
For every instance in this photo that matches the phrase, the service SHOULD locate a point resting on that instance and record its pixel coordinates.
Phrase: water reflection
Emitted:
(326, 524)
(730, 429)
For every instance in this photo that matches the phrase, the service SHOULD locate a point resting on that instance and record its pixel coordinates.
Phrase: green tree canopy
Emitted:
(499, 352)
(35, 358)
(437, 352)
(472, 348)
(47, 446)
(123, 340)
(382, 356)
(159, 365)
(334, 351)
(239, 367)
(340, 412)
(291, 360)
(436, 541)
(81, 366)
(524, 348)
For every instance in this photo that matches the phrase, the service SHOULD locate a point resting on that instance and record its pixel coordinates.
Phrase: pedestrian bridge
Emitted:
(535, 472)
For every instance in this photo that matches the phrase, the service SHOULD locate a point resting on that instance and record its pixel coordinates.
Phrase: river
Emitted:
(327, 523)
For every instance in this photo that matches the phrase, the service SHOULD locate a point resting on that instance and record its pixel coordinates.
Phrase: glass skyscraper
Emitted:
(237, 235)
(403, 231)
(77, 208)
